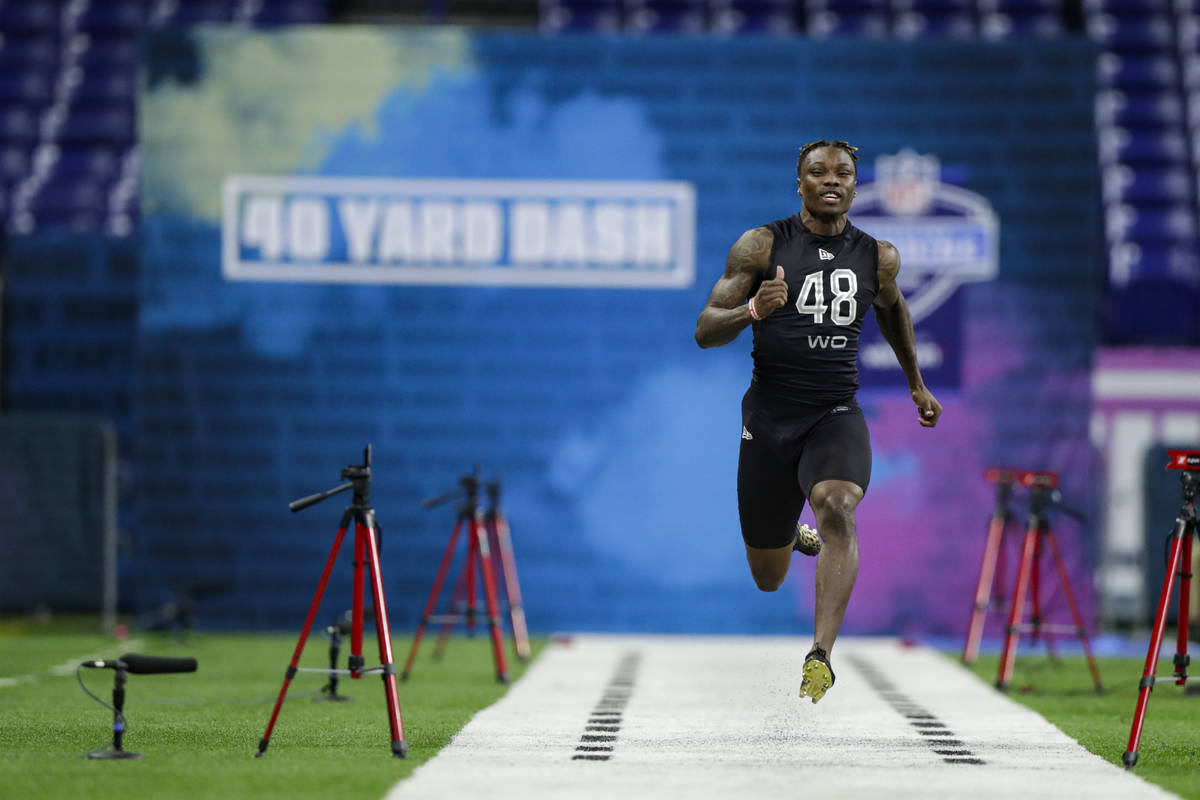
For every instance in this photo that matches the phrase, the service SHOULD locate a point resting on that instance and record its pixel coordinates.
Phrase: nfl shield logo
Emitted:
(946, 234)
(907, 181)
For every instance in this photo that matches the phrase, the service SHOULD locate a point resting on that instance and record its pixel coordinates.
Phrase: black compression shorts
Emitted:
(787, 452)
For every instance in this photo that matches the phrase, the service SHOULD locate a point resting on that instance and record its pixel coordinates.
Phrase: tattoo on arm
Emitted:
(725, 315)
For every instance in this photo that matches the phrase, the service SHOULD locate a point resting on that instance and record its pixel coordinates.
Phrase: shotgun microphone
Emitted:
(145, 665)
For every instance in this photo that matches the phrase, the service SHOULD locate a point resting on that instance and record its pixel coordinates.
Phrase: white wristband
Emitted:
(754, 311)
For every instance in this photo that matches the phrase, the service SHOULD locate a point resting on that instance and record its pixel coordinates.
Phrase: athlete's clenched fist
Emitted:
(771, 295)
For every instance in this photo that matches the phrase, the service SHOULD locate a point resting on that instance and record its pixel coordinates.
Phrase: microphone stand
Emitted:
(118, 697)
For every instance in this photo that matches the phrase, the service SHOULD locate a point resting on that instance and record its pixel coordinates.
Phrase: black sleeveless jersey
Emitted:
(807, 351)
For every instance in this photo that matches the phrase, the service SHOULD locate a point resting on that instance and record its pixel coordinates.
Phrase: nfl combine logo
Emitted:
(947, 236)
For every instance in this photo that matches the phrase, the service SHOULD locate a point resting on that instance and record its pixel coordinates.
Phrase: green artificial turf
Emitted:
(199, 731)
(1063, 693)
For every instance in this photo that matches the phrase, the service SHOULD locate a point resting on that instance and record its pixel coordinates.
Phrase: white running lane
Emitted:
(719, 717)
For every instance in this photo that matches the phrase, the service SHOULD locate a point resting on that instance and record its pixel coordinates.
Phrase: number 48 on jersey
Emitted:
(842, 307)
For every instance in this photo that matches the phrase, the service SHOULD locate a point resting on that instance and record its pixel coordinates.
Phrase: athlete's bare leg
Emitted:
(769, 565)
(833, 503)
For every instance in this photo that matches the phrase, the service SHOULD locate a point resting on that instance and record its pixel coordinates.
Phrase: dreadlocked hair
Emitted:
(808, 148)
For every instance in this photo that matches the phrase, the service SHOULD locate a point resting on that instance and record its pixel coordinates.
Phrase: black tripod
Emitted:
(366, 548)
(1179, 563)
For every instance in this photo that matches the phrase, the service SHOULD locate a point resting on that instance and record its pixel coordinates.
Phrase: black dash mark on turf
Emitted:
(941, 739)
(604, 722)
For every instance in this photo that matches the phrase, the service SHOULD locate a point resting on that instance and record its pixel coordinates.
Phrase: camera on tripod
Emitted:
(1187, 461)
(1179, 566)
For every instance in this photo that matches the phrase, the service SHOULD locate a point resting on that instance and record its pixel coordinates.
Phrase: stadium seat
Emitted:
(914, 25)
(933, 7)
(113, 16)
(196, 12)
(87, 163)
(103, 86)
(1188, 33)
(75, 219)
(731, 21)
(1021, 7)
(14, 163)
(17, 124)
(1153, 71)
(1141, 33)
(29, 87)
(753, 16)
(1168, 147)
(29, 16)
(289, 12)
(1162, 281)
(67, 197)
(566, 16)
(1131, 260)
(1171, 223)
(1127, 7)
(1141, 110)
(108, 125)
(1006, 26)
(1189, 70)
(850, 8)
(116, 51)
(666, 16)
(19, 50)
(869, 25)
(1150, 185)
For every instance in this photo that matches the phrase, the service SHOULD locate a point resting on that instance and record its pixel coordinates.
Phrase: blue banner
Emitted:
(491, 249)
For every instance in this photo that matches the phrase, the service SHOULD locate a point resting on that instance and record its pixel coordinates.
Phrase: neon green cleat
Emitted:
(807, 540)
(817, 675)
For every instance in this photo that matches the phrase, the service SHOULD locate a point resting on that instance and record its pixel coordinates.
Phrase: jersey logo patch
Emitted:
(746, 434)
(840, 409)
(824, 254)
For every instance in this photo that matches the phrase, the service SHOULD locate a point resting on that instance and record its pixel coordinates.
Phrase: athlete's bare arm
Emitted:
(895, 323)
(726, 313)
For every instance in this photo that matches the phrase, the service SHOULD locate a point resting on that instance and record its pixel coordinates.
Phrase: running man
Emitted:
(805, 284)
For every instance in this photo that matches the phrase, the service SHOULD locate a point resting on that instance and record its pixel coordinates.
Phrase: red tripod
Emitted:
(1039, 537)
(1179, 562)
(993, 555)
(504, 567)
(470, 517)
(366, 546)
(500, 535)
